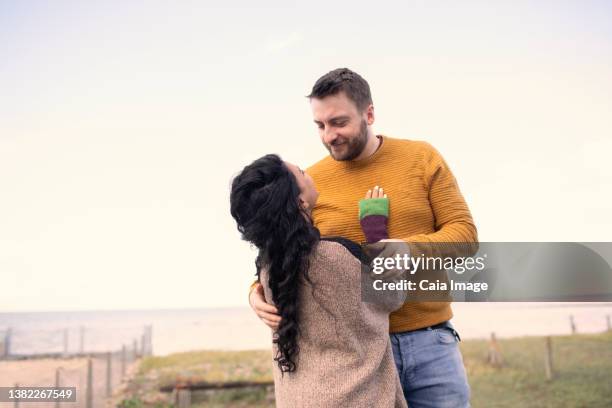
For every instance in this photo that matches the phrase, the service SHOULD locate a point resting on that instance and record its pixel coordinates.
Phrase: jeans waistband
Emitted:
(435, 326)
(446, 323)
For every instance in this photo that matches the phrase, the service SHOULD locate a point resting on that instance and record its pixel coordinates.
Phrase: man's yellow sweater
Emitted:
(425, 205)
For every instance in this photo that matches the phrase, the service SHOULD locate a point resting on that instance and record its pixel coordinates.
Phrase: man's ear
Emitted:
(370, 114)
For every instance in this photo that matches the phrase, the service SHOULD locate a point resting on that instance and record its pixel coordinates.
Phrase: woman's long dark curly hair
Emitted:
(266, 206)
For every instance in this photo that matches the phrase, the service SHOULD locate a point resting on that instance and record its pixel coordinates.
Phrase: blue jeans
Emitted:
(431, 368)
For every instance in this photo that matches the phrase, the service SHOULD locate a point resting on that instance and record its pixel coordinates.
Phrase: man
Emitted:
(426, 206)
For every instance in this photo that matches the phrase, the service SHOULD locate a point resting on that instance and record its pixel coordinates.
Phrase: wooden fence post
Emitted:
(145, 341)
(494, 356)
(109, 373)
(183, 397)
(82, 340)
(65, 353)
(150, 340)
(8, 336)
(16, 399)
(608, 324)
(89, 386)
(548, 359)
(57, 384)
(123, 360)
(572, 324)
(135, 345)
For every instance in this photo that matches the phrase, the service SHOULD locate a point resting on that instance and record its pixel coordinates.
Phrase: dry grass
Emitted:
(582, 363)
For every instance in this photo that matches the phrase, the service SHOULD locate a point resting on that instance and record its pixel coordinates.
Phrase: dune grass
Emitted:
(582, 366)
(210, 366)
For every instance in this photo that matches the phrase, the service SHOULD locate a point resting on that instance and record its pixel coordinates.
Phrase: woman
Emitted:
(330, 348)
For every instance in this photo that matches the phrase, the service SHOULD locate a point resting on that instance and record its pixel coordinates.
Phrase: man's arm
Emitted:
(455, 233)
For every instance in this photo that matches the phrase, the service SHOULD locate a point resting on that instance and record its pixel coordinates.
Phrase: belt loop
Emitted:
(456, 334)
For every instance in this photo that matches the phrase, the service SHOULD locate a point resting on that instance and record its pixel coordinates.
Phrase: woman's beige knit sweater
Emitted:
(345, 357)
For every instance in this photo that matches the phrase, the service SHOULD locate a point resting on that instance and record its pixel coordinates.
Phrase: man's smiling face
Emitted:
(343, 129)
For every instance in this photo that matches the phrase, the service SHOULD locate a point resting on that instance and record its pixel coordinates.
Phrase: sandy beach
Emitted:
(73, 373)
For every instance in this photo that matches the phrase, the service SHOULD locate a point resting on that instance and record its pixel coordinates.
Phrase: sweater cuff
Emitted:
(373, 206)
(253, 286)
(373, 214)
(255, 283)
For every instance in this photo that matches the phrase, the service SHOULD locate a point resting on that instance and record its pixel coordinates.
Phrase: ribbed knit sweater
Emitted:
(425, 205)
(345, 355)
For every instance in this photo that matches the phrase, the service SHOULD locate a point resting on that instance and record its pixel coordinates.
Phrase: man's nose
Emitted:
(329, 136)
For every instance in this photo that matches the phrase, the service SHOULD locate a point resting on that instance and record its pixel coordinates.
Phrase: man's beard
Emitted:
(354, 145)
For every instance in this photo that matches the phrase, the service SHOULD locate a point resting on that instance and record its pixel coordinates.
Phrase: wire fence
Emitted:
(71, 341)
(96, 375)
(495, 356)
(75, 357)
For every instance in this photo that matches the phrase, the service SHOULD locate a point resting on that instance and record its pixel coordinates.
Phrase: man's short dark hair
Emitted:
(343, 80)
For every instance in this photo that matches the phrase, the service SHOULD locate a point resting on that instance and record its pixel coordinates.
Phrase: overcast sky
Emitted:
(122, 123)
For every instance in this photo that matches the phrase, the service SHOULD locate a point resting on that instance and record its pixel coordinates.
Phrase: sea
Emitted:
(178, 330)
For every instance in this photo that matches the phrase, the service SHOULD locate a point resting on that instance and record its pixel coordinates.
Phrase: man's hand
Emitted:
(267, 313)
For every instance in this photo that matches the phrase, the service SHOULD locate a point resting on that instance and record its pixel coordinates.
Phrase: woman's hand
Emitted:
(373, 214)
(376, 192)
